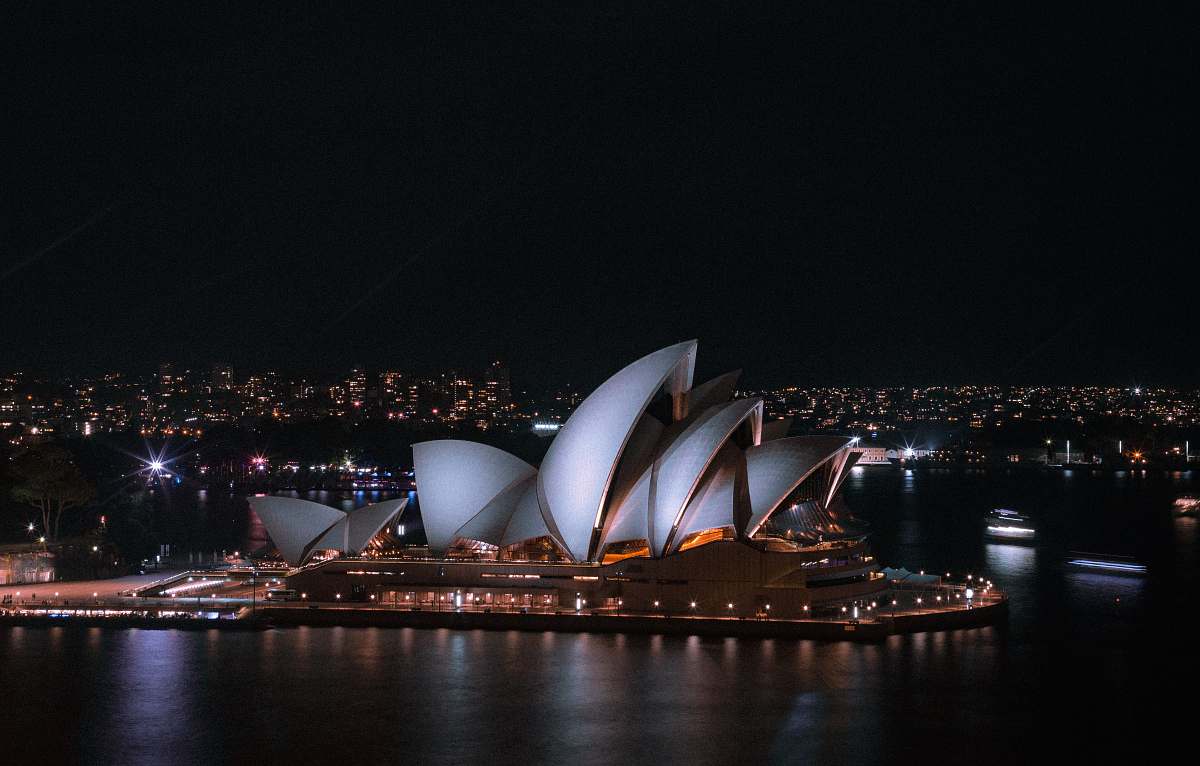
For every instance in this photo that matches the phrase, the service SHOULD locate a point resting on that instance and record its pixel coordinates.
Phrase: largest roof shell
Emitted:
(578, 469)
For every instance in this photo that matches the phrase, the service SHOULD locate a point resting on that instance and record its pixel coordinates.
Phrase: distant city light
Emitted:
(183, 403)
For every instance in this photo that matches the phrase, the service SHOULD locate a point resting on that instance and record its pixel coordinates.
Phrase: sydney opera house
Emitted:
(655, 496)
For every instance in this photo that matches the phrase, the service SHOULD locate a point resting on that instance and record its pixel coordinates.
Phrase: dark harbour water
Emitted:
(1075, 675)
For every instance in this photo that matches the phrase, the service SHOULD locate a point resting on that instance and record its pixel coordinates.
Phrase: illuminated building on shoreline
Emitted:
(655, 495)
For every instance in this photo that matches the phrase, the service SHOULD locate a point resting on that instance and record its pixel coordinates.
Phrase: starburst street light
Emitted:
(156, 465)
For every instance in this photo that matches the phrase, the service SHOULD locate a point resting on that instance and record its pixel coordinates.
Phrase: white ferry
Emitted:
(1003, 524)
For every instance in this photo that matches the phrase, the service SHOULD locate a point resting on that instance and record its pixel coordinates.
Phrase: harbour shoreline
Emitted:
(874, 629)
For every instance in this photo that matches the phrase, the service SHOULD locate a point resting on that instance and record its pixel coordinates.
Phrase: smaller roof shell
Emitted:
(294, 524)
(775, 468)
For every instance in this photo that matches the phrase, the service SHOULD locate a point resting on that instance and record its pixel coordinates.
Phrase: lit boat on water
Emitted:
(1103, 563)
(1187, 506)
(1003, 524)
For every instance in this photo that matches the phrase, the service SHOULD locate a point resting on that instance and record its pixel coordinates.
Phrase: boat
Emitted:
(1105, 563)
(1187, 506)
(1003, 524)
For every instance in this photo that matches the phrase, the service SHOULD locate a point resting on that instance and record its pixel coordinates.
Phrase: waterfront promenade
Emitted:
(81, 590)
(235, 604)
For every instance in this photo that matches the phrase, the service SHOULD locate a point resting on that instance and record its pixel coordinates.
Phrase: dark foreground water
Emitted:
(1076, 675)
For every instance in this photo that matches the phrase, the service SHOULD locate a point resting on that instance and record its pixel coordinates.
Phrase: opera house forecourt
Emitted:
(658, 497)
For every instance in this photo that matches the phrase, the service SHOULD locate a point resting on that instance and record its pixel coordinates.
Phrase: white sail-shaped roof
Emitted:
(578, 470)
(849, 456)
(488, 526)
(527, 521)
(710, 393)
(678, 471)
(712, 504)
(631, 519)
(775, 468)
(294, 524)
(337, 538)
(629, 499)
(366, 522)
(352, 533)
(838, 465)
(456, 480)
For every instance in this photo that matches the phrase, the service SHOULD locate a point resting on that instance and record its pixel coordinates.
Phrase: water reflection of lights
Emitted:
(1097, 587)
(1010, 560)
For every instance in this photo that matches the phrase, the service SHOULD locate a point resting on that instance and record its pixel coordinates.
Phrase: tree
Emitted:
(45, 477)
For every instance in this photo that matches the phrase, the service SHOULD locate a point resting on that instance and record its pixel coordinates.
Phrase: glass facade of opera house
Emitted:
(656, 496)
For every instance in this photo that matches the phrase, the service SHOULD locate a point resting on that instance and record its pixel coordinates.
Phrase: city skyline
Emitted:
(185, 401)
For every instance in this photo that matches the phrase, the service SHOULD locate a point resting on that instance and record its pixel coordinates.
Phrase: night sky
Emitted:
(899, 195)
